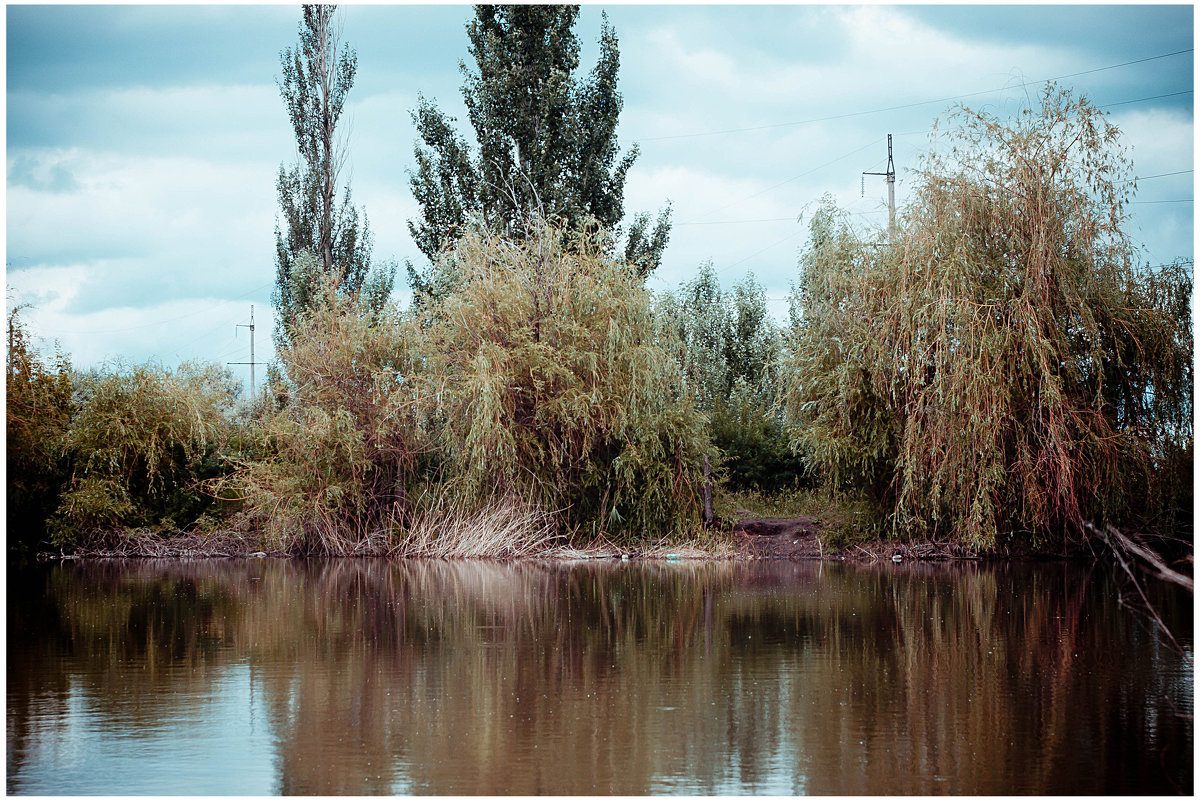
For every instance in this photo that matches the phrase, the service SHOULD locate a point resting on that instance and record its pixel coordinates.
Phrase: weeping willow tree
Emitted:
(1006, 366)
(548, 378)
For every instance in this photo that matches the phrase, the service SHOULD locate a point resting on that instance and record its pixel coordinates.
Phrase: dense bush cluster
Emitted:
(331, 457)
(140, 442)
(37, 409)
(1002, 369)
(1005, 367)
(548, 371)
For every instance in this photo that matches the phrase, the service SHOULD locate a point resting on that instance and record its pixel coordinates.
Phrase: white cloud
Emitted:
(182, 330)
(1160, 139)
(171, 213)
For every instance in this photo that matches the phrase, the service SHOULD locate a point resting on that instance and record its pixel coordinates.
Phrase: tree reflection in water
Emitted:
(545, 678)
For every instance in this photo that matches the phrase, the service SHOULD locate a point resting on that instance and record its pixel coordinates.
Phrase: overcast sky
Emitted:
(143, 142)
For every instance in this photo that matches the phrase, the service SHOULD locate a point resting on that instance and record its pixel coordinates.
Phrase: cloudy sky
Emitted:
(143, 141)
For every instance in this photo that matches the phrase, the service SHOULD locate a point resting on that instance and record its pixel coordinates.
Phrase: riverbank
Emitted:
(800, 538)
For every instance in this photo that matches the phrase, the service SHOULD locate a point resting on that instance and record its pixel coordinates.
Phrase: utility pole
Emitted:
(891, 184)
(251, 361)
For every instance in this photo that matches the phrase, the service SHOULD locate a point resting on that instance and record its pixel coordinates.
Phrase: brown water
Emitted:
(370, 677)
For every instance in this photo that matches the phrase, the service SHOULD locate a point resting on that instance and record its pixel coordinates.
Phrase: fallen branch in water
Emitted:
(1120, 544)
(1150, 557)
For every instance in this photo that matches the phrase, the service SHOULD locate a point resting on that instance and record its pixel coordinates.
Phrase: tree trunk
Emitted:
(706, 494)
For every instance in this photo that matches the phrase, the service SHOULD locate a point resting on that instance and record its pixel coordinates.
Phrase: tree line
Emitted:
(1002, 371)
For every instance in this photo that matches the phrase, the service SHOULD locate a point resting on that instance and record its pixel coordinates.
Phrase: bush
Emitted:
(552, 380)
(1006, 366)
(754, 444)
(142, 441)
(37, 409)
(836, 368)
(340, 443)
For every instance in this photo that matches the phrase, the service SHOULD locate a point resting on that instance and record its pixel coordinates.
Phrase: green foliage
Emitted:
(728, 348)
(546, 140)
(316, 80)
(37, 409)
(755, 444)
(1006, 366)
(140, 443)
(839, 419)
(342, 439)
(546, 368)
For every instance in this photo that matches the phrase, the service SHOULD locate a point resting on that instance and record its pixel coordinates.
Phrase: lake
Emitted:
(425, 677)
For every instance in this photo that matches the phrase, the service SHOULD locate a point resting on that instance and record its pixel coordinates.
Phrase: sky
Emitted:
(143, 142)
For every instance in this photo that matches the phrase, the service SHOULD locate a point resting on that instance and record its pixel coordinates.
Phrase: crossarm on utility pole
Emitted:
(891, 184)
(251, 362)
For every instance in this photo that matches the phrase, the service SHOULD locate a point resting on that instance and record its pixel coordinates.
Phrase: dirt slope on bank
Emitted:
(804, 537)
(775, 537)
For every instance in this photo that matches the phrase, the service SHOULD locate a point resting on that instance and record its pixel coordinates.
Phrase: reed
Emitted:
(504, 529)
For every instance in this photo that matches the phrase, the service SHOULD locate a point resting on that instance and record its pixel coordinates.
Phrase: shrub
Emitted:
(37, 409)
(552, 379)
(835, 365)
(140, 444)
(341, 440)
(728, 348)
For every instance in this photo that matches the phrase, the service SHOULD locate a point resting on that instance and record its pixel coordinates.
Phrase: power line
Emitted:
(1139, 202)
(208, 332)
(740, 221)
(782, 183)
(1144, 99)
(757, 253)
(925, 102)
(795, 219)
(695, 220)
(1160, 175)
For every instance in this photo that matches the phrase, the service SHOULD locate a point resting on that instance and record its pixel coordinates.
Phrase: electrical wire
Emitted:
(758, 252)
(1160, 175)
(1144, 99)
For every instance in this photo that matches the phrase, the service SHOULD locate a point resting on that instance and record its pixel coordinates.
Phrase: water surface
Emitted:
(376, 677)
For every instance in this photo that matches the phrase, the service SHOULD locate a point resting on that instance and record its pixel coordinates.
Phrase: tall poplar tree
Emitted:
(316, 80)
(546, 139)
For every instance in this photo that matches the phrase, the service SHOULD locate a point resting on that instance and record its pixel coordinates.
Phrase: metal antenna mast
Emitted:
(891, 184)
(251, 362)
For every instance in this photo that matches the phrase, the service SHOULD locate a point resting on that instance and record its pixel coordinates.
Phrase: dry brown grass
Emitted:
(510, 528)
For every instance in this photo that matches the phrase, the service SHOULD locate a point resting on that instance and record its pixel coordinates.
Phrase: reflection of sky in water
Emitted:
(220, 745)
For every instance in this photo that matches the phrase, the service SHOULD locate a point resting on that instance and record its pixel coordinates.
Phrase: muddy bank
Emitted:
(805, 537)
(794, 538)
